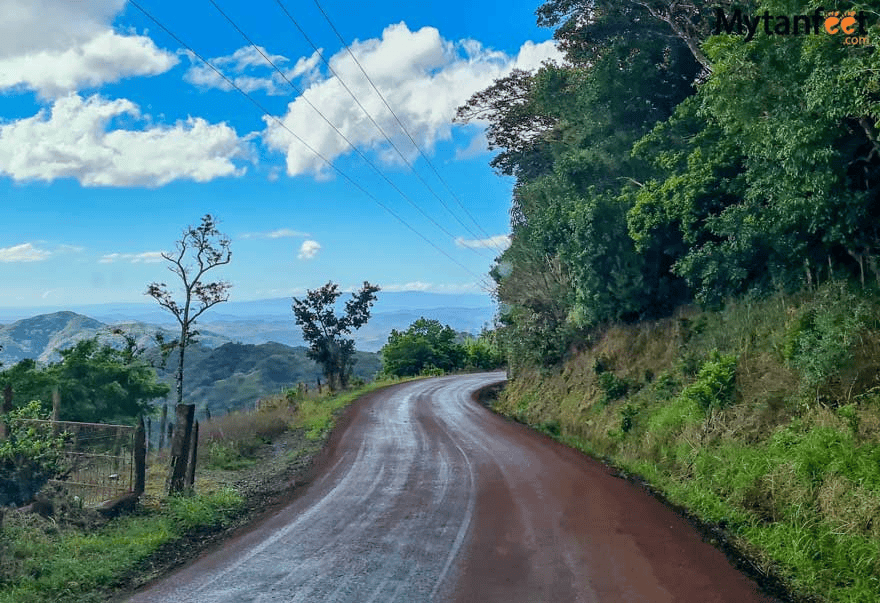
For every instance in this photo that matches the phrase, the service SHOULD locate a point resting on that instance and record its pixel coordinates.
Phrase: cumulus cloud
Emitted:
(147, 257)
(275, 234)
(57, 46)
(75, 140)
(308, 250)
(496, 242)
(250, 71)
(108, 57)
(26, 252)
(424, 78)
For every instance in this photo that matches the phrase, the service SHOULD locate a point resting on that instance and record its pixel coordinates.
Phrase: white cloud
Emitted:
(434, 287)
(26, 252)
(308, 250)
(496, 242)
(57, 46)
(275, 234)
(108, 57)
(75, 141)
(250, 71)
(424, 78)
(147, 257)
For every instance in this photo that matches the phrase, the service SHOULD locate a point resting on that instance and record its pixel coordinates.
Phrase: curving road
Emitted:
(425, 495)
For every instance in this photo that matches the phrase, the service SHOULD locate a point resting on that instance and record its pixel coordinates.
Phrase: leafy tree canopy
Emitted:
(96, 383)
(324, 330)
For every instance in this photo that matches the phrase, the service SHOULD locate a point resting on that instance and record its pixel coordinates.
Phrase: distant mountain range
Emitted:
(256, 322)
(246, 349)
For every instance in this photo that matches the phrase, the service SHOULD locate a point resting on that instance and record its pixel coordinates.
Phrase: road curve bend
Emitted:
(428, 496)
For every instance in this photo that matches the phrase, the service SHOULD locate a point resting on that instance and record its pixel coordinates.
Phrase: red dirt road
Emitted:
(427, 496)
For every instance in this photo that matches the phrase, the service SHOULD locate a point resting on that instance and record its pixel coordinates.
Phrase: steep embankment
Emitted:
(763, 419)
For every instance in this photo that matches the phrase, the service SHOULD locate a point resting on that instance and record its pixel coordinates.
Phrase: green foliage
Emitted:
(30, 454)
(483, 353)
(628, 415)
(188, 512)
(324, 331)
(97, 383)
(425, 346)
(612, 386)
(101, 384)
(80, 566)
(819, 343)
(225, 455)
(715, 383)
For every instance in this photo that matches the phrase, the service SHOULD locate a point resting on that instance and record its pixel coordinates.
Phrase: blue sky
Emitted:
(113, 138)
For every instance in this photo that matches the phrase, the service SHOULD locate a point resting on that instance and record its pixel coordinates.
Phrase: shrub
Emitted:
(714, 386)
(30, 455)
(627, 415)
(819, 342)
(612, 386)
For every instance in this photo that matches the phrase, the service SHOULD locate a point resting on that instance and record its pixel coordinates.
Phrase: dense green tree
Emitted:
(426, 344)
(324, 330)
(97, 383)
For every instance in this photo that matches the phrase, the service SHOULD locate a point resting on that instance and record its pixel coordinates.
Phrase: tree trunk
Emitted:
(180, 448)
(179, 377)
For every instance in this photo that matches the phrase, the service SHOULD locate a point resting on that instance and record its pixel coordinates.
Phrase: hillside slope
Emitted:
(762, 419)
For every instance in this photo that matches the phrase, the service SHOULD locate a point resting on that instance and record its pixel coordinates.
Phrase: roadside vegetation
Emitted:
(762, 418)
(65, 553)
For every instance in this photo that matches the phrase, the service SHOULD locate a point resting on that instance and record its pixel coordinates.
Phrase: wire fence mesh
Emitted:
(98, 460)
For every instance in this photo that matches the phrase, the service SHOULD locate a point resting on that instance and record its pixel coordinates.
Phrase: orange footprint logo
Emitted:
(848, 23)
(834, 23)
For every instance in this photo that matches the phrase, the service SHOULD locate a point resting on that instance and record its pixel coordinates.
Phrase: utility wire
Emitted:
(337, 130)
(345, 176)
(400, 123)
(373, 121)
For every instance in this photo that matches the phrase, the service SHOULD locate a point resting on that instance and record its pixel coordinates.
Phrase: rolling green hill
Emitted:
(236, 375)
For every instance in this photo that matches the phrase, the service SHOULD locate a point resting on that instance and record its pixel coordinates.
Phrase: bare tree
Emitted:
(200, 249)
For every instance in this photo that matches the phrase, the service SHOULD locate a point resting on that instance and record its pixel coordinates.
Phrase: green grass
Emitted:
(75, 566)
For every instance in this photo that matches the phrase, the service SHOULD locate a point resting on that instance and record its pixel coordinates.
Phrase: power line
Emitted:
(372, 120)
(329, 123)
(400, 123)
(339, 171)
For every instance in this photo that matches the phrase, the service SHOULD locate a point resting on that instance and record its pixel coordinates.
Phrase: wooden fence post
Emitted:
(149, 434)
(180, 447)
(162, 424)
(7, 407)
(56, 410)
(193, 457)
(140, 458)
